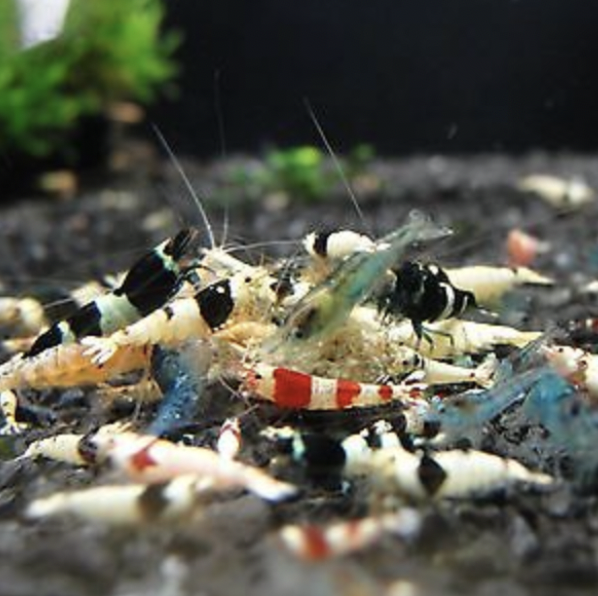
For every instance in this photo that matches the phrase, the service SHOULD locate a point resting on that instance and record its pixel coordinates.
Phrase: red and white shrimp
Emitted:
(317, 543)
(293, 389)
(145, 458)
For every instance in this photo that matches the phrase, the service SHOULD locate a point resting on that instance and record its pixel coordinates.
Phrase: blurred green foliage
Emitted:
(110, 50)
(298, 171)
(303, 173)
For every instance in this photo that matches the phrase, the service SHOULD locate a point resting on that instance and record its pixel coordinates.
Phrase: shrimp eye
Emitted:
(298, 333)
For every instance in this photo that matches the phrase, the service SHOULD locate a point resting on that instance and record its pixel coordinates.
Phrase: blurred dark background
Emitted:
(421, 76)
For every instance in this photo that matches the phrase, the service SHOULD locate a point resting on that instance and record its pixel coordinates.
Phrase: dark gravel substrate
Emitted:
(520, 543)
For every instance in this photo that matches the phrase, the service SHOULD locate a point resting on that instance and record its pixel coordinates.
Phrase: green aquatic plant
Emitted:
(303, 173)
(298, 171)
(109, 51)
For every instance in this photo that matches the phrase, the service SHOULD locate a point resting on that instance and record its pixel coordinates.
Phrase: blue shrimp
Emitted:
(181, 374)
(463, 415)
(573, 425)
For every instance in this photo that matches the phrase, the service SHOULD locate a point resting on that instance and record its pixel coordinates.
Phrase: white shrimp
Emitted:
(222, 302)
(578, 366)
(144, 458)
(65, 365)
(454, 337)
(572, 192)
(489, 284)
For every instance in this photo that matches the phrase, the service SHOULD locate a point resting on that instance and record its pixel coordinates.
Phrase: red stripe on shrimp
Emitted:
(385, 392)
(346, 392)
(292, 389)
(143, 459)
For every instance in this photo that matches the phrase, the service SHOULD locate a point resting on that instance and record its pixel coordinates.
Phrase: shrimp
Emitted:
(314, 543)
(490, 284)
(572, 192)
(8, 409)
(65, 365)
(464, 415)
(327, 248)
(181, 374)
(221, 302)
(145, 458)
(578, 366)
(127, 504)
(455, 337)
(21, 316)
(452, 474)
(329, 303)
(147, 285)
(572, 424)
(229, 438)
(296, 390)
(423, 293)
(335, 245)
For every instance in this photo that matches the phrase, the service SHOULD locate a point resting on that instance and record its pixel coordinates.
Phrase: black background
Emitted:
(426, 75)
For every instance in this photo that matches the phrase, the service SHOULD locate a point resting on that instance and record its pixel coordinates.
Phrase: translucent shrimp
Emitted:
(572, 424)
(329, 303)
(181, 374)
(464, 415)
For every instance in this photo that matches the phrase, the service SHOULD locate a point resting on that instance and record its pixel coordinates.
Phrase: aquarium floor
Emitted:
(520, 544)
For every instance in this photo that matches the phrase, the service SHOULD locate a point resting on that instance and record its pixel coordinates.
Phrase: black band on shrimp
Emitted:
(150, 282)
(423, 293)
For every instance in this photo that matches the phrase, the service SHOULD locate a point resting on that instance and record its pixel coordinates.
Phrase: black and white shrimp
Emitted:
(377, 456)
(423, 293)
(239, 298)
(149, 283)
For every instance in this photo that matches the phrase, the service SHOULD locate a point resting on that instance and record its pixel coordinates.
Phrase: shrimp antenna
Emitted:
(335, 160)
(187, 183)
(222, 139)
